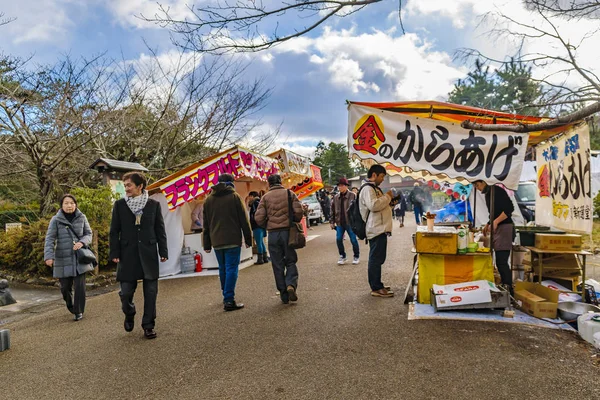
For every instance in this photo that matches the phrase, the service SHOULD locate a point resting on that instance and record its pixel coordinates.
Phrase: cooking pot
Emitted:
(570, 310)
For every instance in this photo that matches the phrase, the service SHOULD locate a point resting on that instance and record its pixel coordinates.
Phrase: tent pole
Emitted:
(492, 195)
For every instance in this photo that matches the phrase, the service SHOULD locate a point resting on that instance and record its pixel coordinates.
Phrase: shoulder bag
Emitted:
(85, 255)
(297, 239)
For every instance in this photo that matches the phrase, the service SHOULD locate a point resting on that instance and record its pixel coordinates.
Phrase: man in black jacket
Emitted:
(225, 221)
(137, 237)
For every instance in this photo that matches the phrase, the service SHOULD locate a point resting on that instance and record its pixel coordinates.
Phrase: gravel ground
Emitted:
(337, 342)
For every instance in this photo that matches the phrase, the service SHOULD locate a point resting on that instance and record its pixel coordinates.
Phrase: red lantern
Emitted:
(456, 195)
(436, 186)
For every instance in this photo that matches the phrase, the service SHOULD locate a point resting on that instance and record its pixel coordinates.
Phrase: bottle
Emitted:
(198, 262)
(463, 239)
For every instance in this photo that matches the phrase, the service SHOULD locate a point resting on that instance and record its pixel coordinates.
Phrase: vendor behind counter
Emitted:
(503, 227)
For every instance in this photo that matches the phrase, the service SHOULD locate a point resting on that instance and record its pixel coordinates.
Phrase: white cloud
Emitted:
(128, 12)
(397, 66)
(38, 20)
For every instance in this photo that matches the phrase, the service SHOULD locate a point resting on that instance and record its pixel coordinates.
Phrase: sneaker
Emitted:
(342, 260)
(356, 260)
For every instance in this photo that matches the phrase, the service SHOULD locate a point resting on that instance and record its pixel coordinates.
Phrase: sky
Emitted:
(362, 57)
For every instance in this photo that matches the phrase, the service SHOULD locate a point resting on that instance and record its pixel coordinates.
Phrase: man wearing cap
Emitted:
(418, 199)
(340, 222)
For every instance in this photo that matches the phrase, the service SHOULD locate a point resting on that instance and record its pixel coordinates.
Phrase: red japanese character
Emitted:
(366, 134)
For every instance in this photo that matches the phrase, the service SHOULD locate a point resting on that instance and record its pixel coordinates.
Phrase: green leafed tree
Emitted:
(334, 161)
(509, 89)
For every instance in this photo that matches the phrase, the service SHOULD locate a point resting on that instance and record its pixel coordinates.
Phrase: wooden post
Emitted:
(95, 249)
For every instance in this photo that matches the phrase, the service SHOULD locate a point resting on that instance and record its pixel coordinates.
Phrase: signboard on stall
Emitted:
(439, 147)
(291, 163)
(309, 185)
(199, 178)
(564, 193)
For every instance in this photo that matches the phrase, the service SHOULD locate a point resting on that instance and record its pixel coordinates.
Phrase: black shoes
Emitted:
(232, 306)
(292, 293)
(78, 317)
(128, 325)
(149, 333)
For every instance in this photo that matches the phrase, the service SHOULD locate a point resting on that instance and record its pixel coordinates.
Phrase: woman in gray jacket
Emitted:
(69, 231)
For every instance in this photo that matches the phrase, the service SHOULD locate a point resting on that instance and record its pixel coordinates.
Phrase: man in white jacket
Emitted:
(376, 212)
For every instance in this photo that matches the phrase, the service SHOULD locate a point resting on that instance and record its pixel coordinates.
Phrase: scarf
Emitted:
(137, 204)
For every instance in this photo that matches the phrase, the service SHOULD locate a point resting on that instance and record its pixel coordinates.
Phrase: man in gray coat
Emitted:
(137, 237)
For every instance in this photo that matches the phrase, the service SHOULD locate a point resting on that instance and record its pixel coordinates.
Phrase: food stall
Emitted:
(298, 175)
(180, 193)
(426, 140)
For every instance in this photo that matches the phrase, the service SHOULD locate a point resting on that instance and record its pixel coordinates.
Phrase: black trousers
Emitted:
(502, 257)
(150, 293)
(283, 261)
(377, 255)
(75, 305)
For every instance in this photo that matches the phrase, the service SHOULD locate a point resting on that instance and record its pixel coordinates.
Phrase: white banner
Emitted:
(439, 147)
(564, 195)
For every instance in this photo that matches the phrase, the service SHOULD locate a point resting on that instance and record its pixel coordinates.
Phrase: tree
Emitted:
(510, 89)
(224, 27)
(334, 161)
(551, 20)
(56, 119)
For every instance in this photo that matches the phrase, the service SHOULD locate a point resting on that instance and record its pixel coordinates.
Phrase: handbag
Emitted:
(297, 239)
(85, 255)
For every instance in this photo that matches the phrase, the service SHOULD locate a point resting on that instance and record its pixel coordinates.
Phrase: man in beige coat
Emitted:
(376, 212)
(273, 213)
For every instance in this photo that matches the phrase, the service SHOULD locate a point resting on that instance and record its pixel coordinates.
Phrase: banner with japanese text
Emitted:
(438, 147)
(564, 195)
(292, 163)
(198, 179)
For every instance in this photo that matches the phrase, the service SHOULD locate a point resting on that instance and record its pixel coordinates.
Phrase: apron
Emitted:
(503, 237)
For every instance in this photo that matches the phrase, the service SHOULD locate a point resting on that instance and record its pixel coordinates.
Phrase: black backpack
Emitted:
(357, 224)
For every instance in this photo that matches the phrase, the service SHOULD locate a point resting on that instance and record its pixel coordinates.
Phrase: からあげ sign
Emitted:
(437, 147)
(564, 195)
(198, 181)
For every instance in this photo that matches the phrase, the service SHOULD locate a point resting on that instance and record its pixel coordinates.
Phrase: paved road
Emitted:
(338, 342)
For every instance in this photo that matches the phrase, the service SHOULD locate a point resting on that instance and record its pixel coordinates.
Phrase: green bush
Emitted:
(22, 251)
(17, 215)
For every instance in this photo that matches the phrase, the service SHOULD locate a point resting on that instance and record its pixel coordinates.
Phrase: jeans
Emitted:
(77, 305)
(283, 261)
(419, 214)
(150, 293)
(259, 238)
(229, 263)
(377, 254)
(340, 240)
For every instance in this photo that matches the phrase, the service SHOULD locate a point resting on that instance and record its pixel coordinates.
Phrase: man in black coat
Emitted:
(137, 237)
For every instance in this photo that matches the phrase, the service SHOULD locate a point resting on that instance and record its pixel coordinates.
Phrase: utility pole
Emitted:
(329, 169)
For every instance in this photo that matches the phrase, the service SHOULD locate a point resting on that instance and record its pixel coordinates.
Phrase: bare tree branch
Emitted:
(224, 28)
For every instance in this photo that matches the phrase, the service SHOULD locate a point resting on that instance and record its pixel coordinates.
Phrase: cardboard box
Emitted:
(436, 243)
(547, 241)
(537, 300)
(462, 294)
